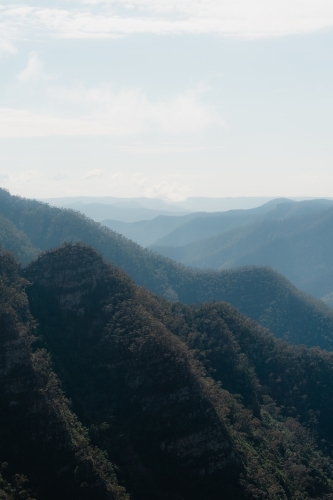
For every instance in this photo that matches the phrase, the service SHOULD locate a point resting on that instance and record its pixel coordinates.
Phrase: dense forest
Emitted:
(109, 391)
(45, 451)
(258, 292)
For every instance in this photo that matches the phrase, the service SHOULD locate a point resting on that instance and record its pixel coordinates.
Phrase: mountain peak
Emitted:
(72, 272)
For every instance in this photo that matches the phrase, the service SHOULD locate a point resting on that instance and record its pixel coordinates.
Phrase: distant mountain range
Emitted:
(178, 231)
(122, 211)
(193, 204)
(109, 391)
(137, 209)
(28, 226)
(141, 202)
(295, 239)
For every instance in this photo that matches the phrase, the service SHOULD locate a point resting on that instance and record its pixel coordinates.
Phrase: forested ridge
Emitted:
(45, 452)
(186, 402)
(258, 292)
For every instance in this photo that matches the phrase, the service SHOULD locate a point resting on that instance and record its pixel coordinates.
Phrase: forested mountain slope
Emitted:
(259, 293)
(188, 401)
(44, 450)
(298, 247)
(16, 241)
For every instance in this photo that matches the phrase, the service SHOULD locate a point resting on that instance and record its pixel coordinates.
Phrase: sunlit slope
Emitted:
(260, 293)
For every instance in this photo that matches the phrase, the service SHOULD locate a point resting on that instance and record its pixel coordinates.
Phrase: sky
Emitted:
(166, 98)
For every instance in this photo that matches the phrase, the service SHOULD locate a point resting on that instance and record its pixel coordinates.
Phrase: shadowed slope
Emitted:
(45, 447)
(141, 371)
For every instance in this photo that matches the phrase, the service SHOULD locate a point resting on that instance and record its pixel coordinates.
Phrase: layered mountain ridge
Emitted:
(258, 292)
(296, 245)
(187, 401)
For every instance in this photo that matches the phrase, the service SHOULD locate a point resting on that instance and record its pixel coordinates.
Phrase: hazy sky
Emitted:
(166, 98)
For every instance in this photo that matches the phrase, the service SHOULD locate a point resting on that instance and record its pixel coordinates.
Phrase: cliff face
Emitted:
(185, 400)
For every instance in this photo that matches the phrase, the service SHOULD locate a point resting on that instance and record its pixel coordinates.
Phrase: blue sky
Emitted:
(166, 99)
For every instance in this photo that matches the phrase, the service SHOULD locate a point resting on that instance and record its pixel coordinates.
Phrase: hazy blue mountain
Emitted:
(214, 224)
(126, 211)
(140, 202)
(258, 292)
(193, 204)
(171, 230)
(298, 247)
(146, 232)
(202, 204)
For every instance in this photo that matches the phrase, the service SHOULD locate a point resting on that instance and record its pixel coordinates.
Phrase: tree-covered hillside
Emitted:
(45, 452)
(188, 401)
(260, 293)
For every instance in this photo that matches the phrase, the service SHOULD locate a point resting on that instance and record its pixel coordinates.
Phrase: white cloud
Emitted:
(6, 46)
(168, 189)
(129, 111)
(26, 176)
(34, 71)
(60, 176)
(94, 173)
(3, 176)
(100, 111)
(107, 18)
(25, 123)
